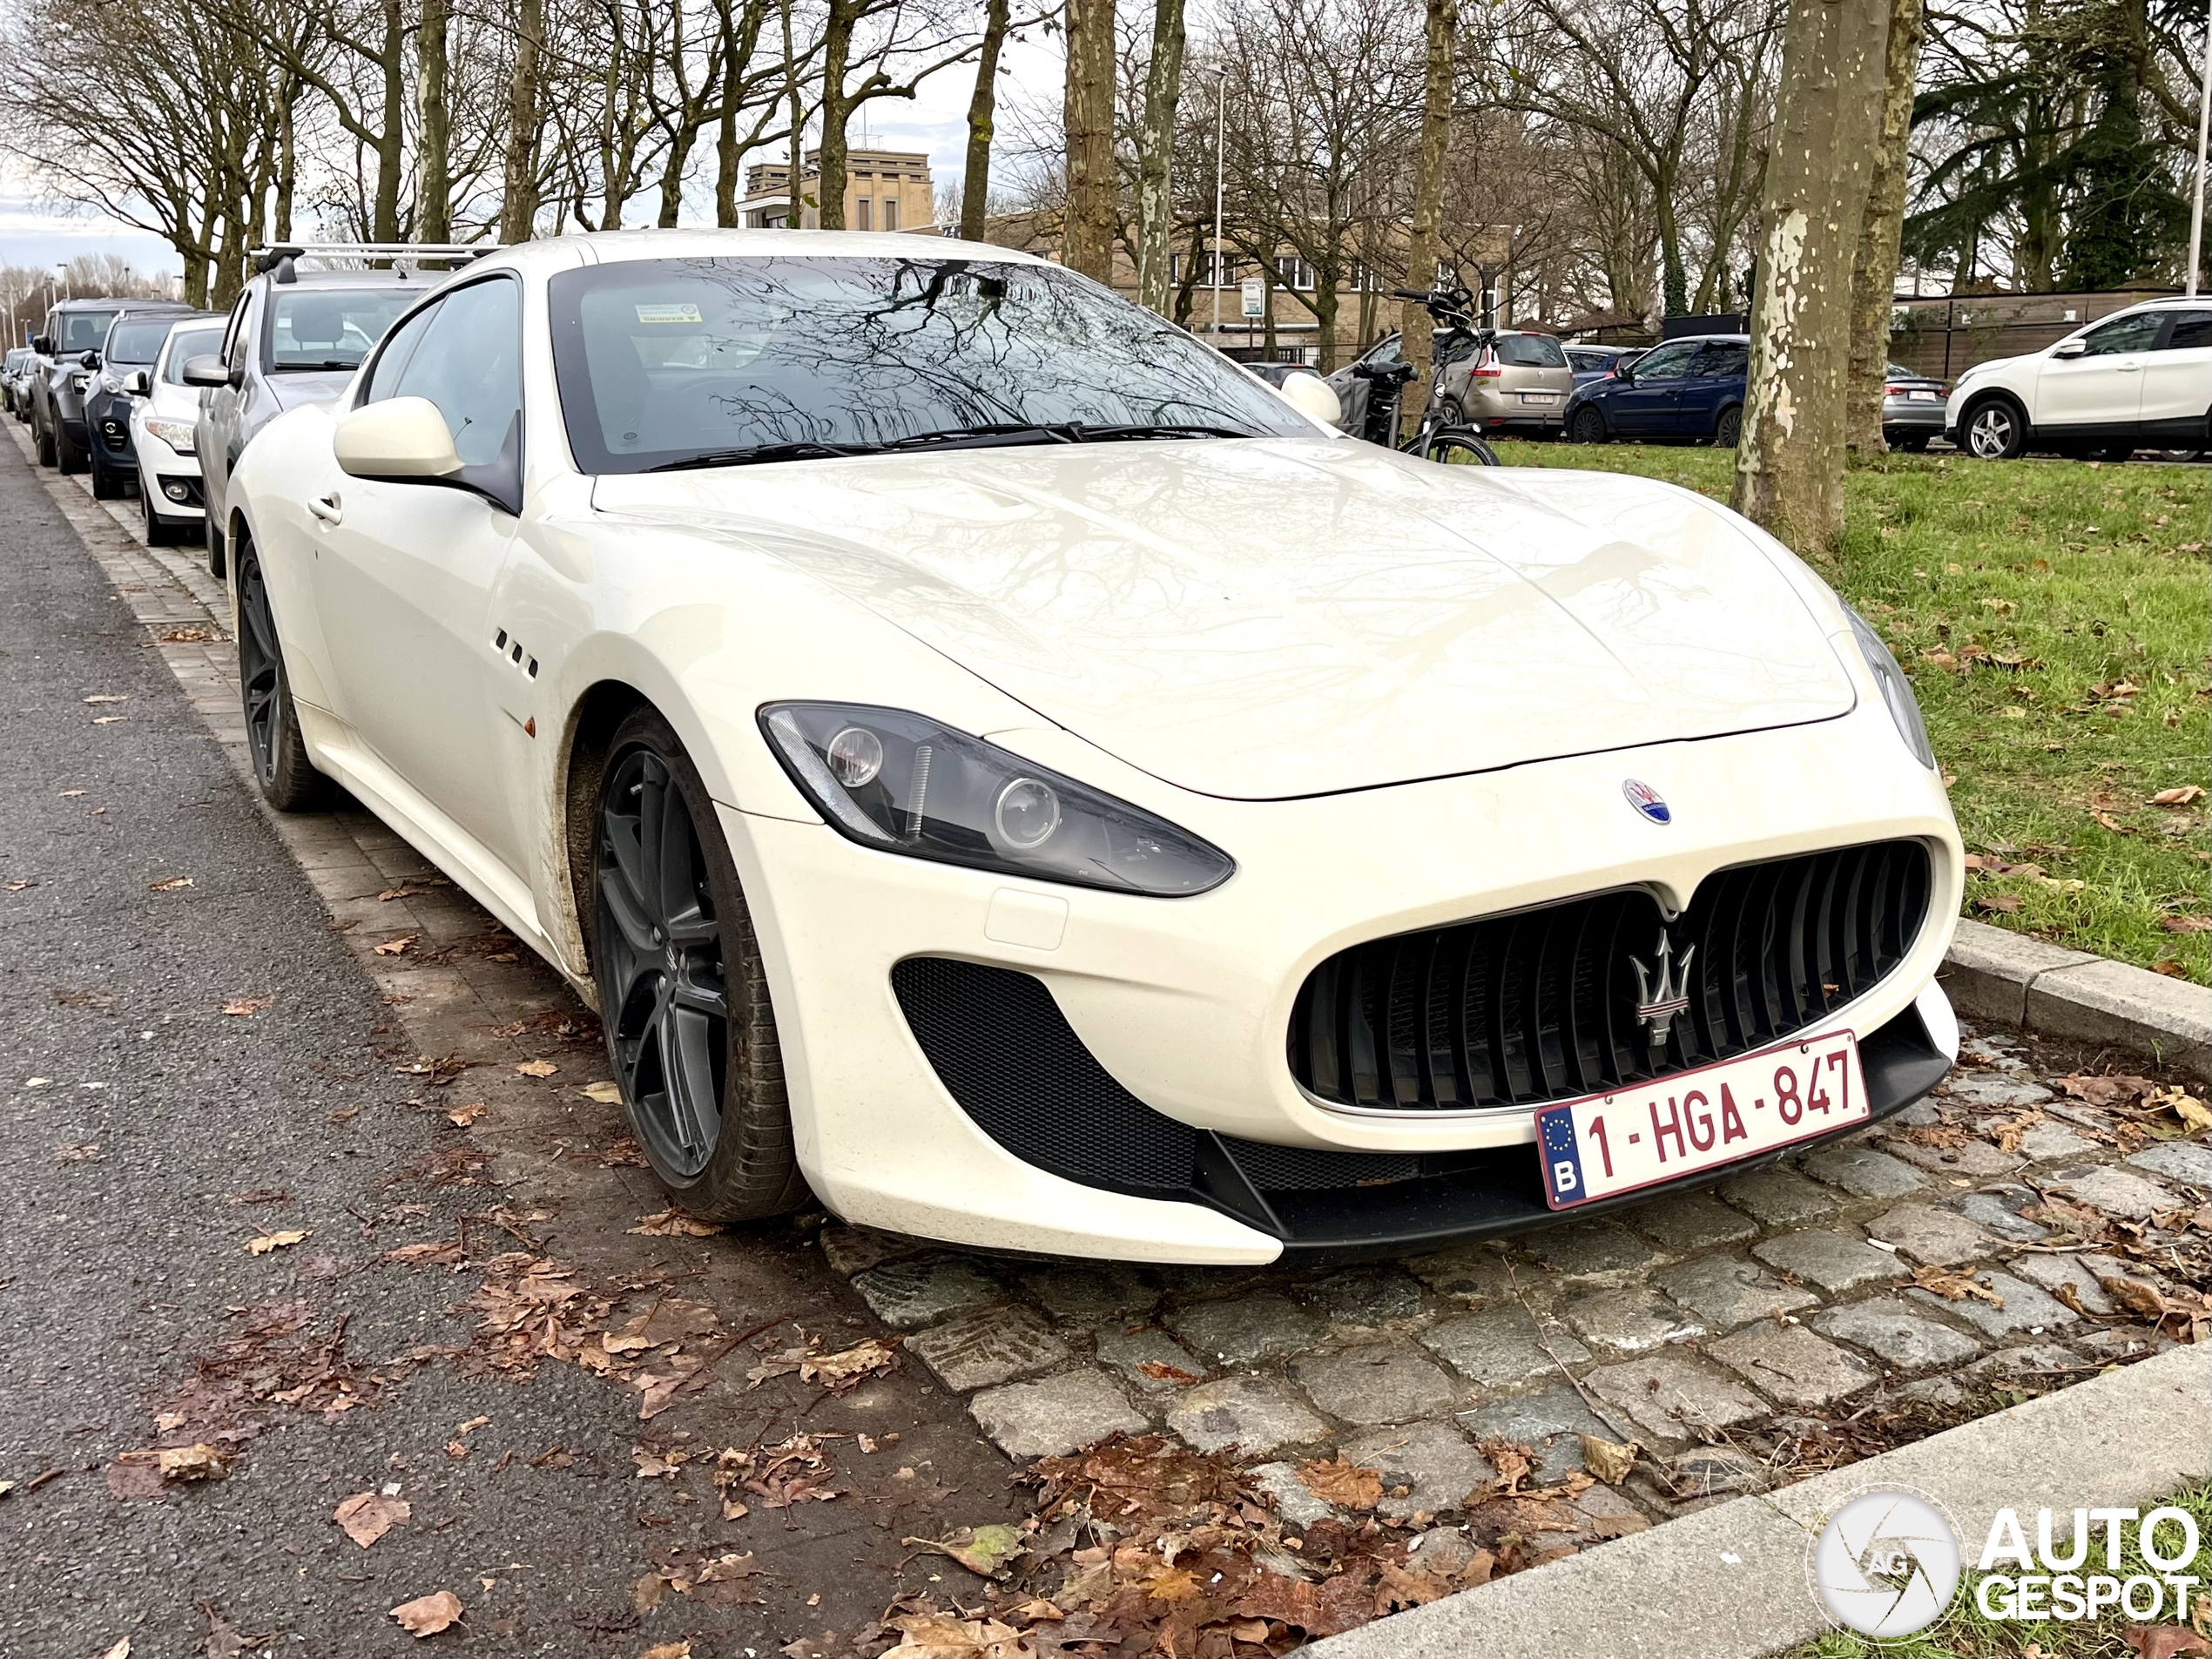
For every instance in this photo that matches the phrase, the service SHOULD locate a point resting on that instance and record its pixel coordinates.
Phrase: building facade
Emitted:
(884, 190)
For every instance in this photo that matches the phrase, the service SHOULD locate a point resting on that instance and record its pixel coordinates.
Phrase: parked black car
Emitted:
(127, 357)
(1685, 389)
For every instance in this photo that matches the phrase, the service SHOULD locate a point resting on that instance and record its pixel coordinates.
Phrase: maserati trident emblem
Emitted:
(1656, 1005)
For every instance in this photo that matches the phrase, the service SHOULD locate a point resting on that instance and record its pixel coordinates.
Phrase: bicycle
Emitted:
(1432, 439)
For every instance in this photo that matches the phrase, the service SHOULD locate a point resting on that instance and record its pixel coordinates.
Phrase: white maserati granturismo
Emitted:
(998, 766)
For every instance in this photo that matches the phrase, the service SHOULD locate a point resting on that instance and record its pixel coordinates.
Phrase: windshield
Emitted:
(190, 343)
(81, 330)
(664, 361)
(135, 340)
(311, 328)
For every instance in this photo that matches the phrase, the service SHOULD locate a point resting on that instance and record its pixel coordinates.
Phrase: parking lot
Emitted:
(387, 1235)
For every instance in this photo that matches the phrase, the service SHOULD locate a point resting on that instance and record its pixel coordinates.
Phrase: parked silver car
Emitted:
(294, 337)
(1513, 383)
(1913, 407)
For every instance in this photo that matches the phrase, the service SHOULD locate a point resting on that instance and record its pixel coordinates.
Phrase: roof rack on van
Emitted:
(404, 256)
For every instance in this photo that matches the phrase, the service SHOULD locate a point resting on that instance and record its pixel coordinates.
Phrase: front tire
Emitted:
(1995, 430)
(683, 995)
(212, 532)
(289, 779)
(48, 456)
(1727, 431)
(67, 456)
(107, 485)
(1587, 427)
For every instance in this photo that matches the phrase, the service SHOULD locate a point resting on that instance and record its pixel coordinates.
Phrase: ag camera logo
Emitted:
(1885, 1563)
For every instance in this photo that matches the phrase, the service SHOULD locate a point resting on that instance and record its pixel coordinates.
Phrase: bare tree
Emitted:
(1441, 38)
(1789, 464)
(1087, 235)
(1156, 155)
(1874, 272)
(982, 110)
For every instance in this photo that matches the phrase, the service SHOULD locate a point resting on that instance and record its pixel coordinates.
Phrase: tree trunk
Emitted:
(519, 176)
(1790, 463)
(434, 222)
(837, 108)
(1415, 328)
(391, 143)
(1874, 277)
(982, 113)
(796, 217)
(1674, 278)
(287, 178)
(1087, 232)
(1155, 156)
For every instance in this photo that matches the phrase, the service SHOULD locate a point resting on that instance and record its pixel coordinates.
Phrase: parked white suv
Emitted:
(2142, 376)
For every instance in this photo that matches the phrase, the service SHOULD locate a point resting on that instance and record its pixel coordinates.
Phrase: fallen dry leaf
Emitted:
(462, 1116)
(367, 1516)
(282, 1240)
(537, 1067)
(675, 1222)
(2192, 1111)
(940, 1635)
(668, 1650)
(2177, 796)
(1955, 1286)
(2166, 1642)
(2187, 924)
(121, 1650)
(843, 1371)
(243, 1007)
(1607, 1460)
(428, 1615)
(174, 884)
(983, 1551)
(107, 699)
(1339, 1480)
(606, 1093)
(399, 946)
(195, 1462)
(1160, 1371)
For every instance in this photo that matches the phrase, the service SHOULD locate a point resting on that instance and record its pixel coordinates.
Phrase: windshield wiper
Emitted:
(981, 437)
(314, 368)
(805, 449)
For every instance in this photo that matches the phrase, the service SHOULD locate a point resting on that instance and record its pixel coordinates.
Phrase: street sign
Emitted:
(1255, 297)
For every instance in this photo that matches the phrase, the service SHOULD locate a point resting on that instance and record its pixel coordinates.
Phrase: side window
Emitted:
(398, 351)
(2137, 333)
(1729, 360)
(235, 338)
(468, 363)
(2192, 332)
(1668, 363)
(1386, 354)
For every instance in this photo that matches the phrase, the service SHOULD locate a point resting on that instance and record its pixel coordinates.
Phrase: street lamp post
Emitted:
(2203, 128)
(1220, 133)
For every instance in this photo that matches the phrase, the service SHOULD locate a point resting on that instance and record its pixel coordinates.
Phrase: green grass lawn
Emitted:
(2056, 619)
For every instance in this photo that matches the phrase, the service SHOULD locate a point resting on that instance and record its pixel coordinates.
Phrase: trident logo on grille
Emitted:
(1656, 1005)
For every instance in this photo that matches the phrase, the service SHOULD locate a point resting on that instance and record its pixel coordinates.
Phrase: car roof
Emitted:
(424, 280)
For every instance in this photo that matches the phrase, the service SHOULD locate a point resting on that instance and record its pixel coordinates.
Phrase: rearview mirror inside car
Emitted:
(208, 369)
(1309, 394)
(2070, 349)
(400, 437)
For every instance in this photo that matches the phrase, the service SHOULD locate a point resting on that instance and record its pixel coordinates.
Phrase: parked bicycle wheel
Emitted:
(1456, 447)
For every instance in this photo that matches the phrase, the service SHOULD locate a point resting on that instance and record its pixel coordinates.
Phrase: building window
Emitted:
(861, 206)
(1296, 273)
(890, 212)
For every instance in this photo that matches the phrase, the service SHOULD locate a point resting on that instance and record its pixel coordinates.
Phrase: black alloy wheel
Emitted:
(289, 779)
(682, 992)
(1730, 431)
(1589, 427)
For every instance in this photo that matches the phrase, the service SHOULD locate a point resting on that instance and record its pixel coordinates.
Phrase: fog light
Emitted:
(176, 490)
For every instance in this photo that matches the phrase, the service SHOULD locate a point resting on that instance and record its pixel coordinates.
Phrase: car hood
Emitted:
(295, 391)
(1275, 619)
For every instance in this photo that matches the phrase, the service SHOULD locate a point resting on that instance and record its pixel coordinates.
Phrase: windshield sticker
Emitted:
(669, 313)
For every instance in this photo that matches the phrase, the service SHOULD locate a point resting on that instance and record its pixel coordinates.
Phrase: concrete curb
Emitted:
(1995, 974)
(1731, 1579)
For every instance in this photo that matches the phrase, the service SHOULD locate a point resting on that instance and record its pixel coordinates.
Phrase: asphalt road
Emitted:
(137, 1113)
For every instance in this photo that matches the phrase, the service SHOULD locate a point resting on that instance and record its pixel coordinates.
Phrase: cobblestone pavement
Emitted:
(1739, 1335)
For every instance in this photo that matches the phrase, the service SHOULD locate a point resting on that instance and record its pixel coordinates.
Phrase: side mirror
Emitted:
(139, 385)
(2070, 349)
(1309, 394)
(43, 344)
(207, 370)
(89, 360)
(400, 437)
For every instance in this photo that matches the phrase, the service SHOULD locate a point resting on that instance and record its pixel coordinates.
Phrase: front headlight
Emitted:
(176, 434)
(899, 783)
(1897, 691)
(110, 385)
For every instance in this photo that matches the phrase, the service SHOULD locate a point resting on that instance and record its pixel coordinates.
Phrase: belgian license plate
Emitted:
(1919, 396)
(1538, 397)
(1608, 1144)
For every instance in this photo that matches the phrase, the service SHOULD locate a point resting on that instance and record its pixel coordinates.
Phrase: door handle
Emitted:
(327, 508)
(2127, 368)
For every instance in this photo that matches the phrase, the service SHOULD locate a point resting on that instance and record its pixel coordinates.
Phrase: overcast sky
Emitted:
(936, 120)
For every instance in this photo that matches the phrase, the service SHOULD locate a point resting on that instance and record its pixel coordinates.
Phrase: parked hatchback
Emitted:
(162, 436)
(134, 341)
(294, 337)
(1514, 383)
(1686, 388)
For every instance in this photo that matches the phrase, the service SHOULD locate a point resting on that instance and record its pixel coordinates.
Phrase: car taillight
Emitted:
(1487, 368)
(1893, 391)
